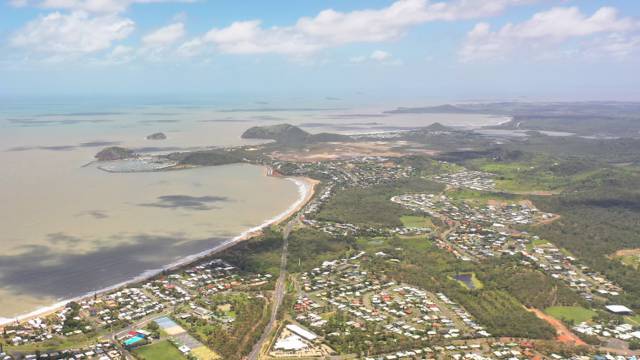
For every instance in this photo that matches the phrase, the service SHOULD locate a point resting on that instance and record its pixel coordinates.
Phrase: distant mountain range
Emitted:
(595, 118)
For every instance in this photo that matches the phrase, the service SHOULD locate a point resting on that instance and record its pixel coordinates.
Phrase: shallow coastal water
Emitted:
(70, 229)
(95, 229)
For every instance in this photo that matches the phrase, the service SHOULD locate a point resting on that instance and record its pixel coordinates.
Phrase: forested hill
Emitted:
(290, 134)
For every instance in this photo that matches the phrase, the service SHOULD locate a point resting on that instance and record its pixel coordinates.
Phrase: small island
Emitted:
(114, 153)
(157, 136)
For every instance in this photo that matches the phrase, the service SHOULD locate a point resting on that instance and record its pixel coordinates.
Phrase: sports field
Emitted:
(162, 350)
(577, 314)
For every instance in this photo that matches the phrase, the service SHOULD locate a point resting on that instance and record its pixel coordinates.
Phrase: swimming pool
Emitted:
(133, 340)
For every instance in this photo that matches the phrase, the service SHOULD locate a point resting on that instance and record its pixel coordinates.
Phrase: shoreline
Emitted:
(306, 190)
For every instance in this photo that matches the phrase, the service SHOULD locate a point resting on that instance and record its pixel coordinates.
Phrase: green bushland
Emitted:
(599, 216)
(308, 248)
(372, 206)
(614, 151)
(535, 173)
(259, 254)
(163, 350)
(532, 287)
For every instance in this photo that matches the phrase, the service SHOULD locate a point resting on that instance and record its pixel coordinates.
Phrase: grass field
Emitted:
(577, 314)
(413, 221)
(536, 243)
(412, 243)
(163, 350)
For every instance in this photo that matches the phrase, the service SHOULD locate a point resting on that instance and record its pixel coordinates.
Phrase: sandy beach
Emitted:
(306, 191)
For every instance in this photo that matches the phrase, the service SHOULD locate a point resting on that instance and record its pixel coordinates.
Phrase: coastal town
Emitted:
(320, 180)
(344, 302)
(123, 316)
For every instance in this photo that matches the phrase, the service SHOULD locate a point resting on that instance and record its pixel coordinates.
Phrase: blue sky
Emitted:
(377, 50)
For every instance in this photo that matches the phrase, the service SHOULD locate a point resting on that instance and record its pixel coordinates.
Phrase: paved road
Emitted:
(278, 294)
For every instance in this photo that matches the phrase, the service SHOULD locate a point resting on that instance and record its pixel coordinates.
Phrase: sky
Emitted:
(412, 50)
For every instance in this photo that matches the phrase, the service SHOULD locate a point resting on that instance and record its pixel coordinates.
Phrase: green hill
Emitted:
(290, 134)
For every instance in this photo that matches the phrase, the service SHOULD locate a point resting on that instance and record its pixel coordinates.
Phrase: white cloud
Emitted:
(191, 48)
(74, 33)
(377, 56)
(541, 34)
(164, 36)
(119, 55)
(332, 28)
(380, 55)
(94, 6)
(617, 46)
(99, 6)
(358, 59)
(336, 27)
(248, 37)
